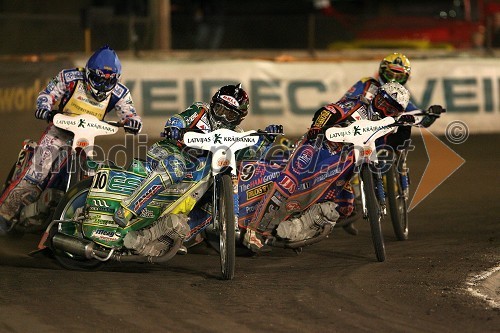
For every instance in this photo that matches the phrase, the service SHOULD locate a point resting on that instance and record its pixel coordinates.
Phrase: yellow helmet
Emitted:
(395, 68)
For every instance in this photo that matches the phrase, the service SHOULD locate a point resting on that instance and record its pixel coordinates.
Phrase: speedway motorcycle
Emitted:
(325, 175)
(360, 158)
(382, 175)
(83, 234)
(75, 163)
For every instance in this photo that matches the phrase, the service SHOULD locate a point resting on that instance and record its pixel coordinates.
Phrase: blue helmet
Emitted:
(102, 72)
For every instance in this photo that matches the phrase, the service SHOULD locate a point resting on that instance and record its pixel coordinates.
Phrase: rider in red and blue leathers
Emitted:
(316, 172)
(93, 90)
(393, 68)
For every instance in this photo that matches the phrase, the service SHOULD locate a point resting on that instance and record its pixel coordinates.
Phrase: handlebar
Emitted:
(267, 135)
(110, 122)
(197, 130)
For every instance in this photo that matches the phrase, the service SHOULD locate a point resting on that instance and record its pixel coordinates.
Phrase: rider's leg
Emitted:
(158, 238)
(346, 208)
(272, 206)
(27, 187)
(171, 169)
(310, 223)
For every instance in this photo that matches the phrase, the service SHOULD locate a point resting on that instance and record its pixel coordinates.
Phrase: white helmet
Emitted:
(392, 99)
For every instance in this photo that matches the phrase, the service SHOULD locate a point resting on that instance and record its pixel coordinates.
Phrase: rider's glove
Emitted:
(313, 133)
(407, 119)
(433, 113)
(133, 126)
(43, 114)
(172, 133)
(273, 131)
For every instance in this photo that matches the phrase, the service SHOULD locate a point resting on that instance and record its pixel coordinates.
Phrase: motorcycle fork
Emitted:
(379, 188)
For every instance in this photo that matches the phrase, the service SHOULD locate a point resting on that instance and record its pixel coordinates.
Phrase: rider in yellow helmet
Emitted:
(395, 67)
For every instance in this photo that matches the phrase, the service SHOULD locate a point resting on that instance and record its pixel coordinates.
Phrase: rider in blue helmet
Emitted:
(94, 90)
(102, 72)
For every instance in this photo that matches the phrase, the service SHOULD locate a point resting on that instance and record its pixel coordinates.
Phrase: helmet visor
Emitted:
(396, 73)
(384, 103)
(230, 115)
(102, 81)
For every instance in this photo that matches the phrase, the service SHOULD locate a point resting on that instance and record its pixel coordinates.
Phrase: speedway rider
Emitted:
(94, 90)
(276, 214)
(393, 68)
(169, 164)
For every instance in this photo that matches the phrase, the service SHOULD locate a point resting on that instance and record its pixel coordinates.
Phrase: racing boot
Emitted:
(310, 223)
(16, 196)
(159, 237)
(253, 241)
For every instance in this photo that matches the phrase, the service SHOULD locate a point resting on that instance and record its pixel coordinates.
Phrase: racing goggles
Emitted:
(396, 73)
(230, 115)
(384, 103)
(102, 81)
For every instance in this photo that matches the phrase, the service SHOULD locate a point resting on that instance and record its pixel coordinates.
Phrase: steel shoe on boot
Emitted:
(252, 241)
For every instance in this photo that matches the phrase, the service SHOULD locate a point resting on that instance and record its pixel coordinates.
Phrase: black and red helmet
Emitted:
(229, 106)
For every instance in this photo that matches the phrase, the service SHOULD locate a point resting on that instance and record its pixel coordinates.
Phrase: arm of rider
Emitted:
(43, 114)
(406, 119)
(429, 116)
(171, 133)
(273, 131)
(48, 97)
(313, 132)
(132, 125)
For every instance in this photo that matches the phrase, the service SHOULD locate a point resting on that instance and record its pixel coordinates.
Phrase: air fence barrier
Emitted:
(281, 92)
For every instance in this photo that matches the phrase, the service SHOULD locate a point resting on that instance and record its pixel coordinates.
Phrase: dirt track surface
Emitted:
(333, 286)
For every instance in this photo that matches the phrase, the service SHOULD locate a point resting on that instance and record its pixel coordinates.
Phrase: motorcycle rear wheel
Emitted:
(224, 214)
(374, 215)
(73, 199)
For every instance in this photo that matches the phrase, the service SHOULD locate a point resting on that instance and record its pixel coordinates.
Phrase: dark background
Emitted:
(28, 27)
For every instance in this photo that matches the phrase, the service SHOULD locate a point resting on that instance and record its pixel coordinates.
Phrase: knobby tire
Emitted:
(225, 216)
(398, 204)
(373, 212)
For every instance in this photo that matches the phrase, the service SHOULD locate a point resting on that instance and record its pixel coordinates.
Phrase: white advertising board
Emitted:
(289, 93)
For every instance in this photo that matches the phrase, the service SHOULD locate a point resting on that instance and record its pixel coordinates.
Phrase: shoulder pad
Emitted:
(176, 121)
(120, 90)
(73, 74)
(366, 79)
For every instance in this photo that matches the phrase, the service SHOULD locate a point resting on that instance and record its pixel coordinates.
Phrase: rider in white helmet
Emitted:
(395, 67)
(337, 199)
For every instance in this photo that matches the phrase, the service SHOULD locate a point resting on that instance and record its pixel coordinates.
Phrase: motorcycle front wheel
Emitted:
(373, 211)
(73, 199)
(398, 204)
(225, 219)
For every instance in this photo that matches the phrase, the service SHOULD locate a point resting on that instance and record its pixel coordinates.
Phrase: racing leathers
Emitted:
(170, 164)
(68, 90)
(366, 88)
(318, 171)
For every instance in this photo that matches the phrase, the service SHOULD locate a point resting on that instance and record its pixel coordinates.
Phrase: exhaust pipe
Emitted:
(77, 246)
(86, 248)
